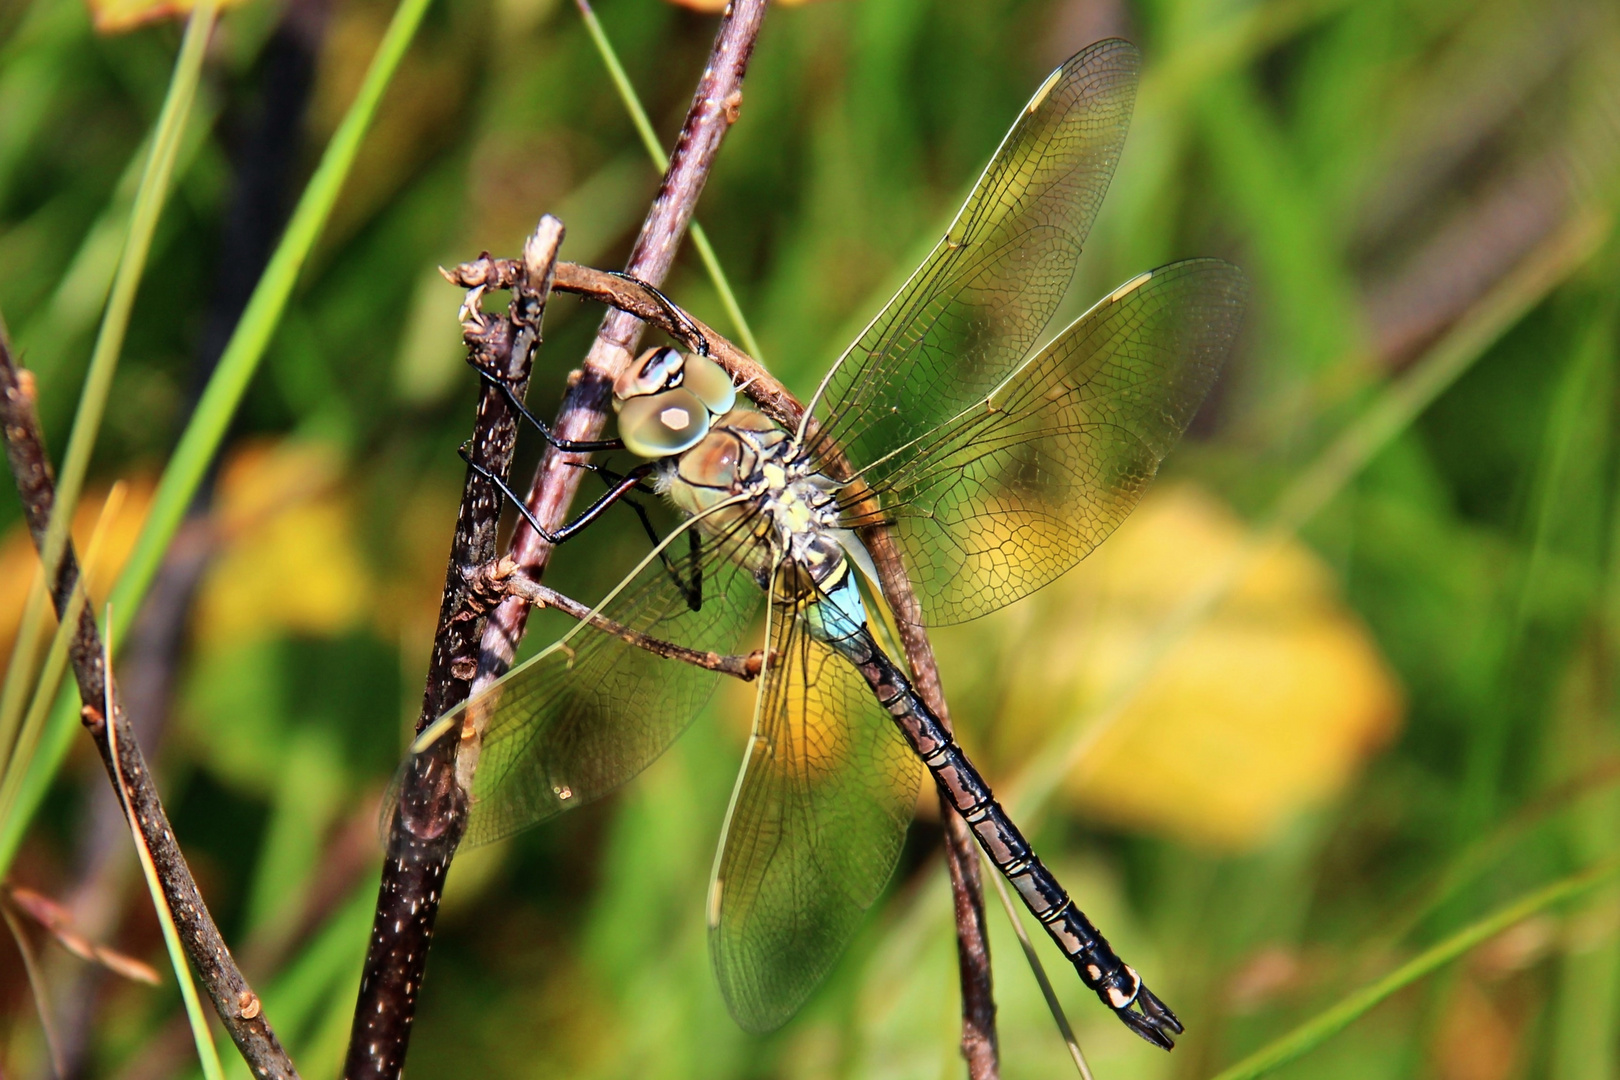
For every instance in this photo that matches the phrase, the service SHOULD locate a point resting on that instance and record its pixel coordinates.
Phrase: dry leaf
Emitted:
(57, 920)
(122, 16)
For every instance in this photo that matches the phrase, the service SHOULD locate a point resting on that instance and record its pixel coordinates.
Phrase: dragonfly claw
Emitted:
(1155, 1023)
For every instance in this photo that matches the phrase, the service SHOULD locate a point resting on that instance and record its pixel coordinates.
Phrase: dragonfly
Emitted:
(994, 464)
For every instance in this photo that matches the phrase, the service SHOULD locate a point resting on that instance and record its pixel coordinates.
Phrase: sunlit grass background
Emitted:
(1348, 681)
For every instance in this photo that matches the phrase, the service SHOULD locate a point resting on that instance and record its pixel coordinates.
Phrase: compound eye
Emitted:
(654, 370)
(709, 381)
(658, 425)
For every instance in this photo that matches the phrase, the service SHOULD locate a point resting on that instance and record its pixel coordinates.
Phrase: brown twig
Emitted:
(430, 816)
(205, 948)
(979, 1046)
(583, 417)
(631, 296)
(584, 410)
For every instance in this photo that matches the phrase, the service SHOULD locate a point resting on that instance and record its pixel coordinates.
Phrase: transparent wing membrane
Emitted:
(815, 828)
(980, 300)
(592, 711)
(1021, 485)
(998, 472)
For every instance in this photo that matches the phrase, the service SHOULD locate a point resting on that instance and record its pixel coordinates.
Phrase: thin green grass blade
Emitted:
(224, 391)
(1059, 1017)
(56, 661)
(649, 139)
(207, 1053)
(148, 207)
(201, 1034)
(1326, 1024)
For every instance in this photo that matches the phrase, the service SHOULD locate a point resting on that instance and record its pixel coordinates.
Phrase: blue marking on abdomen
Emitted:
(839, 615)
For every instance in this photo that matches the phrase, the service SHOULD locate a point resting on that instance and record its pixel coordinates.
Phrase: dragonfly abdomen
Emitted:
(1115, 982)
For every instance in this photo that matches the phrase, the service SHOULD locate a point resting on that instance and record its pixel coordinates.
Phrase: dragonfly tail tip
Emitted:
(1155, 1023)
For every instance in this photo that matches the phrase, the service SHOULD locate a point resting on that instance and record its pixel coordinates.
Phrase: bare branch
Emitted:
(234, 1001)
(630, 296)
(584, 410)
(430, 817)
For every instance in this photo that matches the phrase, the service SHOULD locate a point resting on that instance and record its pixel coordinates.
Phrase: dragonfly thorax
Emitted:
(780, 504)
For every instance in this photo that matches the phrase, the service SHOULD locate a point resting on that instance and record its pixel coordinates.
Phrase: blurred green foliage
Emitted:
(1384, 169)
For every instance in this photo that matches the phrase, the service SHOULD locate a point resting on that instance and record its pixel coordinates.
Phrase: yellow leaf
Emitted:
(1267, 708)
(290, 559)
(19, 563)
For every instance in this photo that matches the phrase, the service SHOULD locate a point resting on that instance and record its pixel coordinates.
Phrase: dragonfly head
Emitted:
(668, 399)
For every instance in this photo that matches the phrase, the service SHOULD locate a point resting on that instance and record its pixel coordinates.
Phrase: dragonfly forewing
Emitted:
(591, 711)
(815, 828)
(981, 299)
(1020, 486)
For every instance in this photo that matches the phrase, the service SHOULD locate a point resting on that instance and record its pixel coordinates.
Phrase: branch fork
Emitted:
(501, 349)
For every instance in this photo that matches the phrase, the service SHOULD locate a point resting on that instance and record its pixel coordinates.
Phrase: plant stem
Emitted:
(655, 150)
(108, 724)
(208, 424)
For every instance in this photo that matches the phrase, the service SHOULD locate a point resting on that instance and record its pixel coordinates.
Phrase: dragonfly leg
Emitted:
(571, 446)
(689, 329)
(1114, 982)
(610, 475)
(746, 667)
(567, 532)
(692, 590)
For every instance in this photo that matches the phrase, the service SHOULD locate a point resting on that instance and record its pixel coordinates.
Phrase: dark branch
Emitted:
(584, 410)
(616, 291)
(583, 415)
(430, 817)
(234, 1000)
